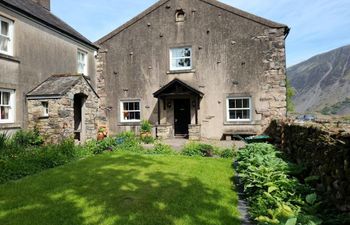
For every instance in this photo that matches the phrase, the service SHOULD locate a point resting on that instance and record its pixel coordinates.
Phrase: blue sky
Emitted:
(317, 25)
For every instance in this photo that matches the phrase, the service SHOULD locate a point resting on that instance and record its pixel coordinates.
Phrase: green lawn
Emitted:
(121, 188)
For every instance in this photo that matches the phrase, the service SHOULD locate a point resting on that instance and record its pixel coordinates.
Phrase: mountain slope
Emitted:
(322, 82)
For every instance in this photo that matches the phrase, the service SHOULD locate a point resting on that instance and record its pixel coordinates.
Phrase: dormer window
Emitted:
(82, 62)
(181, 58)
(6, 36)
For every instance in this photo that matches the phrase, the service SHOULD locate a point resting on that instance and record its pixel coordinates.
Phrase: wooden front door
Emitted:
(182, 116)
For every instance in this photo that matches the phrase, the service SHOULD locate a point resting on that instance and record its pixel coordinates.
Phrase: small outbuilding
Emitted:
(64, 106)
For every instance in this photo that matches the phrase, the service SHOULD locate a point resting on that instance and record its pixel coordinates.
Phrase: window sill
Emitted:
(9, 58)
(9, 126)
(233, 123)
(180, 71)
(136, 123)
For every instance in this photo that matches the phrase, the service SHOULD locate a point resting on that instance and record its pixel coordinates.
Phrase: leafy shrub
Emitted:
(27, 138)
(192, 149)
(198, 149)
(127, 141)
(3, 140)
(17, 164)
(207, 150)
(227, 153)
(161, 149)
(274, 196)
(146, 126)
(147, 139)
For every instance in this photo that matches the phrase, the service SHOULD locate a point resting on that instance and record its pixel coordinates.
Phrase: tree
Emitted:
(290, 94)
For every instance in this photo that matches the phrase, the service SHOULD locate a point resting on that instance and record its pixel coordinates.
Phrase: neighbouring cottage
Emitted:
(194, 68)
(34, 45)
(64, 106)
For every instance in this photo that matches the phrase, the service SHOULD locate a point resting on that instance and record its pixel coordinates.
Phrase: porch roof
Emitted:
(57, 86)
(177, 87)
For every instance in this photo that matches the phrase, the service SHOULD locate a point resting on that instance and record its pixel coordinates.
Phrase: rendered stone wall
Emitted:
(325, 152)
(60, 122)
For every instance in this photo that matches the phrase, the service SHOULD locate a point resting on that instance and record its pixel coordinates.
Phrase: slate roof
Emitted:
(39, 13)
(56, 86)
(215, 3)
(171, 86)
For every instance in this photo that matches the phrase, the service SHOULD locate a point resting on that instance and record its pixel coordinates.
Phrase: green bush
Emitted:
(127, 141)
(27, 138)
(3, 140)
(147, 139)
(227, 153)
(17, 164)
(192, 149)
(146, 126)
(198, 149)
(161, 149)
(274, 196)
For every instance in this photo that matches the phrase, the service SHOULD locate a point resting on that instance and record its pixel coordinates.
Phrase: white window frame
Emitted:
(228, 109)
(122, 111)
(183, 57)
(85, 62)
(46, 110)
(10, 36)
(11, 104)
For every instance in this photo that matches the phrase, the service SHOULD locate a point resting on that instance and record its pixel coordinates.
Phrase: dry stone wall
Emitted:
(324, 152)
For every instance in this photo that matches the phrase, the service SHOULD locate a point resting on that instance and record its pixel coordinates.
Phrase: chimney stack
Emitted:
(43, 3)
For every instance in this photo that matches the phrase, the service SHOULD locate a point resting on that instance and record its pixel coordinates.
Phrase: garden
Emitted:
(114, 181)
(118, 181)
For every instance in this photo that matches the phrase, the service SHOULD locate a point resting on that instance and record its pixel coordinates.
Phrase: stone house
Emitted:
(64, 105)
(196, 68)
(34, 45)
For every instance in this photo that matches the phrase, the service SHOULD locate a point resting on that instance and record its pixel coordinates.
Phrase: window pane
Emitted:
(4, 42)
(5, 98)
(137, 106)
(5, 28)
(178, 63)
(239, 103)
(137, 115)
(126, 106)
(231, 103)
(232, 114)
(132, 115)
(239, 114)
(178, 52)
(187, 52)
(5, 111)
(126, 115)
(187, 62)
(131, 106)
(245, 103)
(246, 114)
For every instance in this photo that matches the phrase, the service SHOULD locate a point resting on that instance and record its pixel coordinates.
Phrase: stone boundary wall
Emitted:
(324, 151)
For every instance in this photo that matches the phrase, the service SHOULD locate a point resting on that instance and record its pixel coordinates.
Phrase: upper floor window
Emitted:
(130, 111)
(7, 108)
(239, 109)
(82, 62)
(6, 36)
(181, 58)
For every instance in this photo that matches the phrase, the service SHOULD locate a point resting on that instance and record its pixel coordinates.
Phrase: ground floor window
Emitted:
(45, 109)
(239, 109)
(7, 107)
(130, 111)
